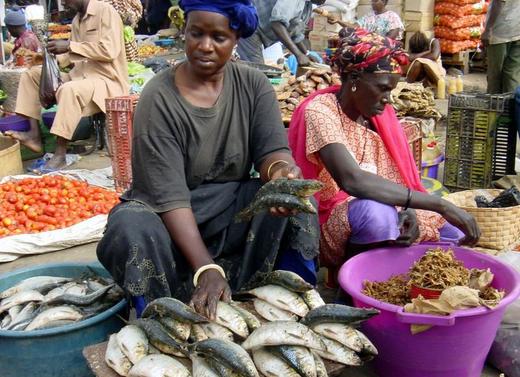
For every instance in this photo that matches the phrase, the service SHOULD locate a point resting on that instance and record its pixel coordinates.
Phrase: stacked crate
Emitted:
(322, 31)
(418, 16)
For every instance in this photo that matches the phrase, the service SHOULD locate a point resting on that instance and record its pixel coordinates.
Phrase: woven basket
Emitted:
(131, 51)
(500, 226)
(9, 79)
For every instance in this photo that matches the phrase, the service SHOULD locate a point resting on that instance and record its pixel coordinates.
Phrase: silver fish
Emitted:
(313, 299)
(321, 369)
(6, 321)
(368, 346)
(20, 326)
(180, 330)
(251, 320)
(57, 323)
(228, 353)
(288, 280)
(59, 313)
(272, 313)
(133, 342)
(216, 331)
(158, 366)
(272, 366)
(159, 337)
(221, 369)
(228, 317)
(14, 311)
(283, 333)
(344, 334)
(33, 283)
(72, 287)
(80, 300)
(115, 358)
(281, 298)
(197, 333)
(170, 307)
(339, 353)
(297, 357)
(201, 368)
(19, 299)
(335, 313)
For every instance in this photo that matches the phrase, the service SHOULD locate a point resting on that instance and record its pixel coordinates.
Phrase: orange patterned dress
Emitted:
(325, 124)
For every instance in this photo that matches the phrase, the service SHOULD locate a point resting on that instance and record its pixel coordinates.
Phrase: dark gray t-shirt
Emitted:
(178, 146)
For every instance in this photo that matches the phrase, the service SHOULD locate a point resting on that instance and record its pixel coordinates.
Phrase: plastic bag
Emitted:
(505, 352)
(50, 80)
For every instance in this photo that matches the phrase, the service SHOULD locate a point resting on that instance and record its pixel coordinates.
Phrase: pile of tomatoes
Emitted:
(33, 205)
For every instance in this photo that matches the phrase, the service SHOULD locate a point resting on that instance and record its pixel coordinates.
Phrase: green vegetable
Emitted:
(128, 34)
(3, 94)
(135, 68)
(138, 81)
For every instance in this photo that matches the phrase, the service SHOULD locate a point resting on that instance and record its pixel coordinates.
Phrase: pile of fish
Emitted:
(43, 302)
(298, 88)
(296, 331)
(288, 193)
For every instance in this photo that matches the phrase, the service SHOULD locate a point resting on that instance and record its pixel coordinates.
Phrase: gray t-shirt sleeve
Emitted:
(159, 179)
(268, 132)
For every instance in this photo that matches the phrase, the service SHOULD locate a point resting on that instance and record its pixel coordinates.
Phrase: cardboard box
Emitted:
(362, 10)
(418, 21)
(428, 33)
(320, 24)
(319, 40)
(419, 6)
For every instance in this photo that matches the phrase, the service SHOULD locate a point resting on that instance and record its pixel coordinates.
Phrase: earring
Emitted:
(353, 88)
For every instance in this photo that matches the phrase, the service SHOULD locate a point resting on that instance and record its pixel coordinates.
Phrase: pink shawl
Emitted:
(387, 126)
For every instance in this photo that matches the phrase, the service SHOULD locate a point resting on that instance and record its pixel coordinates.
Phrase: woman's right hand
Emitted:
(211, 288)
(464, 221)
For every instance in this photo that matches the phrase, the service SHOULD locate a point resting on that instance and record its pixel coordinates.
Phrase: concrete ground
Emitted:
(87, 253)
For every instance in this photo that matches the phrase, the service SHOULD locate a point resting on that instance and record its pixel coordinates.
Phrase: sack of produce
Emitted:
(452, 47)
(460, 11)
(459, 2)
(458, 22)
(50, 80)
(460, 34)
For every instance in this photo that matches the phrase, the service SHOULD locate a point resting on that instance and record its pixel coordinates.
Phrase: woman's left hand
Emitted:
(290, 171)
(408, 228)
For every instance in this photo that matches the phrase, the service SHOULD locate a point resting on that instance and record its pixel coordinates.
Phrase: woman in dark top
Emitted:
(199, 129)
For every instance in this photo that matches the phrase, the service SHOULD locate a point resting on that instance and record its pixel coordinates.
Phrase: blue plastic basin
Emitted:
(55, 352)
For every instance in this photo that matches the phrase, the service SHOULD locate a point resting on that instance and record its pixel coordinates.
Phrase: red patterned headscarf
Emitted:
(362, 51)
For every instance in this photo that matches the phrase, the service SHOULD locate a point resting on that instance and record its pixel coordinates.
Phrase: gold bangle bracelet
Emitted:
(205, 268)
(272, 164)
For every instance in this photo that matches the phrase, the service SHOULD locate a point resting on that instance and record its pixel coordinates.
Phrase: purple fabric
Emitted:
(372, 222)
(241, 13)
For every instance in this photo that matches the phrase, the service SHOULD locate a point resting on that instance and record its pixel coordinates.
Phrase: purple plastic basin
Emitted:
(14, 123)
(48, 118)
(456, 346)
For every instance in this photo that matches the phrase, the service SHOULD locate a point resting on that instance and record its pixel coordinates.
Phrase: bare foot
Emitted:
(29, 139)
(56, 162)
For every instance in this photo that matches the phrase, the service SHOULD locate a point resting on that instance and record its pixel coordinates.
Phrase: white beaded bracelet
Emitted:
(205, 268)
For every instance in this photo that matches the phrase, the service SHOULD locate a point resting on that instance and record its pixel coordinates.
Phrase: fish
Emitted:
(297, 357)
(80, 300)
(115, 358)
(132, 341)
(57, 323)
(216, 331)
(368, 346)
(313, 299)
(251, 320)
(321, 369)
(341, 333)
(221, 369)
(272, 313)
(283, 333)
(336, 313)
(152, 350)
(282, 298)
(200, 368)
(6, 321)
(275, 200)
(20, 326)
(197, 333)
(58, 313)
(289, 280)
(28, 311)
(20, 298)
(228, 317)
(298, 187)
(159, 337)
(272, 366)
(171, 307)
(179, 330)
(159, 366)
(73, 288)
(339, 353)
(14, 311)
(229, 354)
(33, 283)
